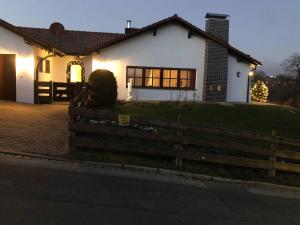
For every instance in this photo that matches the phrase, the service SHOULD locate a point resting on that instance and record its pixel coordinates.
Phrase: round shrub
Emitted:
(103, 89)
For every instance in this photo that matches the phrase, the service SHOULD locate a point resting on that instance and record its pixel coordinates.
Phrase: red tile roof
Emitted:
(84, 43)
(71, 42)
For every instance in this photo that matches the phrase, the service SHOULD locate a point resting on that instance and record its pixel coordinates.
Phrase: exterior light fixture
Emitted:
(251, 73)
(238, 73)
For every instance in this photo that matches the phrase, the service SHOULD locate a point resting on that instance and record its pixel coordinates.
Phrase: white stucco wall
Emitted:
(170, 48)
(237, 87)
(10, 43)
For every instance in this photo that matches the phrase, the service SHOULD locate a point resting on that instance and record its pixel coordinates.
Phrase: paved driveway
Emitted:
(33, 128)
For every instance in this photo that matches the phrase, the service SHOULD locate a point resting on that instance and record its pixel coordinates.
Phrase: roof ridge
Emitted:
(82, 31)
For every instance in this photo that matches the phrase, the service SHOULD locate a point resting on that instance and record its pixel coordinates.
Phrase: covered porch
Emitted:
(59, 78)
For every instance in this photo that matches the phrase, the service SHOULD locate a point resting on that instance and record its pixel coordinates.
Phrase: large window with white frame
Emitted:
(161, 78)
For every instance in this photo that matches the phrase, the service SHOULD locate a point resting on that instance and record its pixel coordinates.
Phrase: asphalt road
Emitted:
(39, 192)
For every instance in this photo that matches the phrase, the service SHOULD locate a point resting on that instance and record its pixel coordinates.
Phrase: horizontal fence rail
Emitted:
(43, 92)
(210, 144)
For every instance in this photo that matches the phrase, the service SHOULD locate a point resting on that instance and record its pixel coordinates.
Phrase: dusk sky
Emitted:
(266, 29)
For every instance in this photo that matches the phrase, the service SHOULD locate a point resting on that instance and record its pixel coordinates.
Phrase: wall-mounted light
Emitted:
(238, 73)
(251, 73)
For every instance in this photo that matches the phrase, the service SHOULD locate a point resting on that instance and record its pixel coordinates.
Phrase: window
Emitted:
(136, 75)
(47, 66)
(170, 78)
(152, 78)
(187, 78)
(44, 65)
(161, 78)
(41, 66)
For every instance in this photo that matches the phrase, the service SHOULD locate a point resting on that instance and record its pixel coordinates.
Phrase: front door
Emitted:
(8, 77)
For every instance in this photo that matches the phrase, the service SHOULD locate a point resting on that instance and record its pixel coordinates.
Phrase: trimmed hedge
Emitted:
(103, 89)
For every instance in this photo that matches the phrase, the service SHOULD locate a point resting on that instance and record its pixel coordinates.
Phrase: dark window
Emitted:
(47, 66)
(41, 66)
(161, 78)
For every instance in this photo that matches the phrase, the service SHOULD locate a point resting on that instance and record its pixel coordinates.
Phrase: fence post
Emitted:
(272, 172)
(178, 147)
(50, 92)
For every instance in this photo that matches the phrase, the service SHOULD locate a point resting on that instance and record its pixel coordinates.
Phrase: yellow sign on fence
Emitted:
(124, 119)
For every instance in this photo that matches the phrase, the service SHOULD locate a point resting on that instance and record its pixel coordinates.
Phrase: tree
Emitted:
(292, 65)
(260, 92)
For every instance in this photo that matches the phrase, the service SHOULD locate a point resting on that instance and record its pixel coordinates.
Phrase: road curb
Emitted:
(161, 172)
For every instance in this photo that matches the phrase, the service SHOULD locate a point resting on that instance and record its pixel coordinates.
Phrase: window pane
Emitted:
(156, 82)
(183, 74)
(174, 74)
(192, 76)
(130, 72)
(138, 82)
(156, 73)
(183, 83)
(138, 72)
(166, 74)
(148, 82)
(173, 83)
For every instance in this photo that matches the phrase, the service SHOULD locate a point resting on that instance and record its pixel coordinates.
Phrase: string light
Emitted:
(260, 92)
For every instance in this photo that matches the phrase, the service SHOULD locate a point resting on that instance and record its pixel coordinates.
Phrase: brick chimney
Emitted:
(218, 25)
(216, 64)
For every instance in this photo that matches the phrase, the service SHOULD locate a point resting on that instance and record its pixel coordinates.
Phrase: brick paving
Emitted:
(38, 129)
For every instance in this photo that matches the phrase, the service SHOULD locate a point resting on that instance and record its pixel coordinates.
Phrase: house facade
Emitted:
(167, 60)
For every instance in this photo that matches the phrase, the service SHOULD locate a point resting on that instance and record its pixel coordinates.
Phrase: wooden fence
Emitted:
(47, 92)
(43, 92)
(88, 130)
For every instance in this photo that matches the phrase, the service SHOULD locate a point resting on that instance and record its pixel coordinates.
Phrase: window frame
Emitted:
(191, 71)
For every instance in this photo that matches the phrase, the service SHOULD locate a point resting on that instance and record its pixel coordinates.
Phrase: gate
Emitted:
(48, 92)
(43, 92)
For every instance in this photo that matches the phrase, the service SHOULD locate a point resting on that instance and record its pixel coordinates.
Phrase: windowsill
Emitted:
(170, 89)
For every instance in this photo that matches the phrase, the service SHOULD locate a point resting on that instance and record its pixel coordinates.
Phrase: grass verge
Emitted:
(189, 166)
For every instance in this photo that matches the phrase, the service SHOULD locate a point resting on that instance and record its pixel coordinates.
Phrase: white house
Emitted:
(166, 60)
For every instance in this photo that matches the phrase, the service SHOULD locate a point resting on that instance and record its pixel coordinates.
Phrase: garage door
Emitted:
(7, 77)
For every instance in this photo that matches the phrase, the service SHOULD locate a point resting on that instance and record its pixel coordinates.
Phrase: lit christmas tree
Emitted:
(260, 92)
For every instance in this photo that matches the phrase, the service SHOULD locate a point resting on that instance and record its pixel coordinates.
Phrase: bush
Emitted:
(103, 89)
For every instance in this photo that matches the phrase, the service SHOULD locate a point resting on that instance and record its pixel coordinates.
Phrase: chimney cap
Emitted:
(216, 16)
(129, 22)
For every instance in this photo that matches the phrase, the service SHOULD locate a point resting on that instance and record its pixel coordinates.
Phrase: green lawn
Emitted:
(258, 118)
